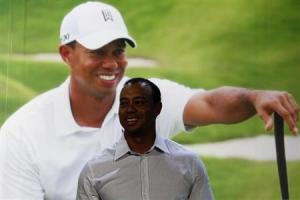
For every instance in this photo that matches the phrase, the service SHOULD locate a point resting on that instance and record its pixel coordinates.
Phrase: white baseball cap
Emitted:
(93, 25)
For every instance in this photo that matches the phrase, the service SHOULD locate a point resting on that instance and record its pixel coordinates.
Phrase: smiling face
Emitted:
(137, 111)
(96, 72)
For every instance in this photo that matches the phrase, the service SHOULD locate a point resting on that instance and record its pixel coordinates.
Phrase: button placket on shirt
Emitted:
(145, 177)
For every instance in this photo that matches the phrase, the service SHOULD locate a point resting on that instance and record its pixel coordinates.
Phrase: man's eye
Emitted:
(120, 52)
(96, 53)
(123, 103)
(140, 102)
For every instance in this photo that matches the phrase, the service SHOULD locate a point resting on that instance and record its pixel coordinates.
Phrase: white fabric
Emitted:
(93, 25)
(42, 149)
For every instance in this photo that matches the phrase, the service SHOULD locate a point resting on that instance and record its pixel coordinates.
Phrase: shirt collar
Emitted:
(122, 147)
(63, 118)
(160, 143)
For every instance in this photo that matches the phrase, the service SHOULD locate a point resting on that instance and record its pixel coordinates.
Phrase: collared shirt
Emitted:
(166, 172)
(43, 149)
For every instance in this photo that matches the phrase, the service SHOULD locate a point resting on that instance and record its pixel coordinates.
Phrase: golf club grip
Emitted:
(281, 160)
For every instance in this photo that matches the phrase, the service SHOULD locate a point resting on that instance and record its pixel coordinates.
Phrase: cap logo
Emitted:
(107, 15)
(65, 37)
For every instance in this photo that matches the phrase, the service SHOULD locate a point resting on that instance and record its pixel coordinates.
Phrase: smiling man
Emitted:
(143, 165)
(45, 144)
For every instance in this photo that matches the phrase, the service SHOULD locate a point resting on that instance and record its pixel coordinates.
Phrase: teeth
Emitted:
(107, 77)
(131, 120)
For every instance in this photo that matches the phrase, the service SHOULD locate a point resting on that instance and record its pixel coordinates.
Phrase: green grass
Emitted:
(31, 26)
(13, 95)
(39, 76)
(248, 180)
(21, 80)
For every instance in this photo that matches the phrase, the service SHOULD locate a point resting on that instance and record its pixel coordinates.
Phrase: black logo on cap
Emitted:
(65, 37)
(107, 15)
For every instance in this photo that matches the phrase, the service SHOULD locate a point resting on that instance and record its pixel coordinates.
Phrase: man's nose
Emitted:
(109, 62)
(131, 108)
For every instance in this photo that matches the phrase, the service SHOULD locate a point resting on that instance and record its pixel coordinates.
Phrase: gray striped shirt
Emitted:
(167, 171)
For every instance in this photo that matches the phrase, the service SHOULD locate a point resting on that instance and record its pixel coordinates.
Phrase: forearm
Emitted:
(232, 104)
(222, 105)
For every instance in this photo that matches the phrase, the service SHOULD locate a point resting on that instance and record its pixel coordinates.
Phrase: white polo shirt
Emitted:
(43, 149)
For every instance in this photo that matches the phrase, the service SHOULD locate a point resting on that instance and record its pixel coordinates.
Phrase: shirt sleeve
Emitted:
(201, 189)
(86, 189)
(174, 98)
(18, 171)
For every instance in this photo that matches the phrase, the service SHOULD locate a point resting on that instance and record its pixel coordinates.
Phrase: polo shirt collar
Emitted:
(63, 118)
(122, 147)
(160, 143)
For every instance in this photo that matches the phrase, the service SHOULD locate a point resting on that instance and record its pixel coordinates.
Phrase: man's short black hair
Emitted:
(155, 90)
(72, 44)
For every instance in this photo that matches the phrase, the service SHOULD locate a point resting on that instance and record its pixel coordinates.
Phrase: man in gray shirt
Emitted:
(143, 165)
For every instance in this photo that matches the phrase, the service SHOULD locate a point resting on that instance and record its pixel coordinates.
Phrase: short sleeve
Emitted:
(201, 189)
(18, 171)
(174, 98)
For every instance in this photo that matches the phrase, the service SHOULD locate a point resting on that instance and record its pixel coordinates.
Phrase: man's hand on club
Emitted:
(268, 102)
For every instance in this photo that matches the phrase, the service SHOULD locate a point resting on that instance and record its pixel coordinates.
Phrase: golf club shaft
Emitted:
(281, 160)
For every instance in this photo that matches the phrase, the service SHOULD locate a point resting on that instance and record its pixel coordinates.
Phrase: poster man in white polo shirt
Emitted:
(45, 144)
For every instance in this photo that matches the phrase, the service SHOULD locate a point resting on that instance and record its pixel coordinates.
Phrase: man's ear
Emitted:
(65, 52)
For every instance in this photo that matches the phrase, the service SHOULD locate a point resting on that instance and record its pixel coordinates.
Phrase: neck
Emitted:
(90, 111)
(141, 143)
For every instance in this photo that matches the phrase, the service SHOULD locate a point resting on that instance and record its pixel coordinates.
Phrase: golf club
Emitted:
(281, 160)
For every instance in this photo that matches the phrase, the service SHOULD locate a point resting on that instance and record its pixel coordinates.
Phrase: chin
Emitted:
(100, 93)
(133, 132)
